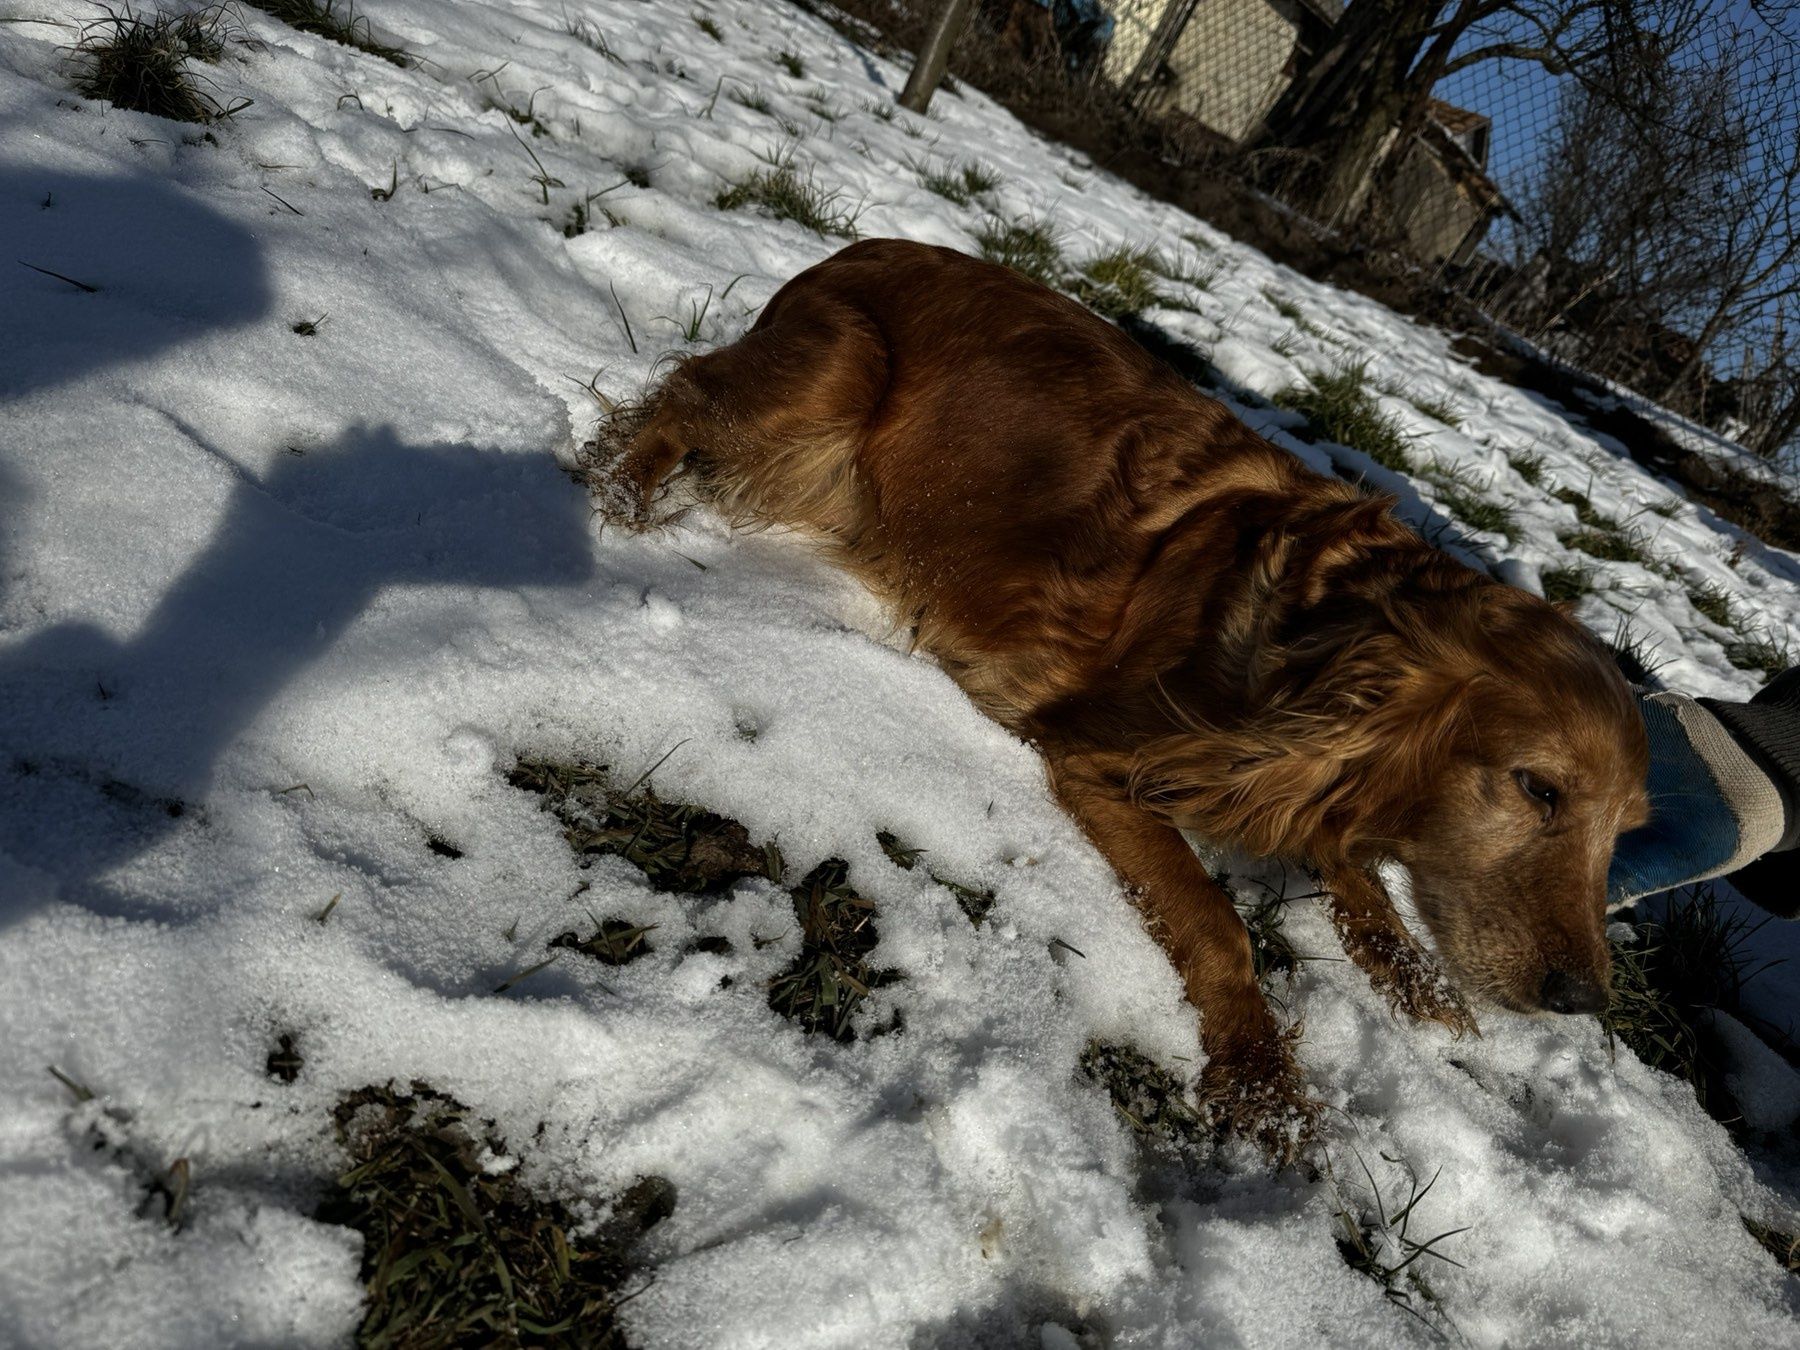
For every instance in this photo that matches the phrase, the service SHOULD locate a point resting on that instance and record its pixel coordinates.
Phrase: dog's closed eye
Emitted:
(1543, 794)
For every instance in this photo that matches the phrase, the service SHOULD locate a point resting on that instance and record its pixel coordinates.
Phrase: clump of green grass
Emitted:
(1714, 601)
(1379, 1245)
(616, 942)
(1285, 307)
(1118, 283)
(1271, 952)
(1668, 978)
(141, 62)
(680, 847)
(1027, 246)
(1633, 653)
(1479, 513)
(1185, 271)
(1609, 543)
(1439, 409)
(785, 195)
(1529, 465)
(792, 64)
(1567, 584)
(1150, 1099)
(1764, 651)
(1340, 408)
(458, 1252)
(334, 21)
(706, 24)
(753, 99)
(959, 183)
(977, 178)
(1584, 508)
(829, 980)
(973, 903)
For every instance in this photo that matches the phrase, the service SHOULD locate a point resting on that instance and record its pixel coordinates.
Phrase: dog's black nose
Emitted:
(1566, 993)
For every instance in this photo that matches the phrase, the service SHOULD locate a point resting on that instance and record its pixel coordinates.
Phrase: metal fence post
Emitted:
(928, 69)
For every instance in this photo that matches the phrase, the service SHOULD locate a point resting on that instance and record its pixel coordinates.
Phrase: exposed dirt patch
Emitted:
(688, 849)
(680, 847)
(456, 1250)
(1150, 1099)
(831, 977)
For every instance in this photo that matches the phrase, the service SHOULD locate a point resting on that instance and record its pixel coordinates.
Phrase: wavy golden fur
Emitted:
(1198, 632)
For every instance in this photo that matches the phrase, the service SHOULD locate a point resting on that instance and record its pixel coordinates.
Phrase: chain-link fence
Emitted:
(1616, 180)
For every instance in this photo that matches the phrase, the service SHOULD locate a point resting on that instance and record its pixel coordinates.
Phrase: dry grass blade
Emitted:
(78, 285)
(616, 942)
(1784, 1247)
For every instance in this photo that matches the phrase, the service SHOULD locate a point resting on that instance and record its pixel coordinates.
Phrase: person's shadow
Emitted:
(101, 270)
(105, 742)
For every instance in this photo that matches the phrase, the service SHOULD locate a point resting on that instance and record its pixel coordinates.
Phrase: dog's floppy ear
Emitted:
(1333, 761)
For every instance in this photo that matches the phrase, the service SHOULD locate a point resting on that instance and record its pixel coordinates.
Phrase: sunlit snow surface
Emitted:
(323, 590)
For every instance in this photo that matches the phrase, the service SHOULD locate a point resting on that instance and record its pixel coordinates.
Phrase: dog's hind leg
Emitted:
(773, 422)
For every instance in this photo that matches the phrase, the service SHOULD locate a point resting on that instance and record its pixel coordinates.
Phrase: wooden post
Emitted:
(928, 69)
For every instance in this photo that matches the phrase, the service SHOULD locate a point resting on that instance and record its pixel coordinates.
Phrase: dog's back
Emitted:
(1000, 464)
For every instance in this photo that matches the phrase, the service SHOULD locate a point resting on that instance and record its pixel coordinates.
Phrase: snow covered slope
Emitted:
(289, 578)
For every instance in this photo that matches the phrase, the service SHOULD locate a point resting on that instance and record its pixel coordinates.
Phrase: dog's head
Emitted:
(1542, 770)
(1477, 735)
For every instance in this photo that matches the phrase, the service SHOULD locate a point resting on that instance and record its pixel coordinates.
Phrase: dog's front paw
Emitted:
(1418, 988)
(623, 469)
(1252, 1088)
(1412, 982)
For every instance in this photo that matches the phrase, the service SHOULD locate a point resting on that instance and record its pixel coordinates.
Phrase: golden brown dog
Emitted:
(1196, 630)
